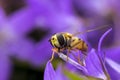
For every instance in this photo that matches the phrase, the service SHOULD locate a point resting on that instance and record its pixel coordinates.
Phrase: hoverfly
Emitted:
(70, 42)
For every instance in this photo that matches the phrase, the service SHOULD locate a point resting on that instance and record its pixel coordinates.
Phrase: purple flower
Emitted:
(56, 16)
(13, 41)
(9, 37)
(95, 65)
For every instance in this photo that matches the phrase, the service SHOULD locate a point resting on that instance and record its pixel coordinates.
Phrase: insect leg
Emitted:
(53, 53)
(84, 58)
(78, 57)
(68, 51)
(52, 56)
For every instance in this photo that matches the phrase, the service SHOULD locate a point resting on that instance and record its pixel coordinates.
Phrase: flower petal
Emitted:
(60, 75)
(113, 69)
(2, 16)
(5, 67)
(22, 20)
(101, 39)
(49, 73)
(113, 53)
(93, 65)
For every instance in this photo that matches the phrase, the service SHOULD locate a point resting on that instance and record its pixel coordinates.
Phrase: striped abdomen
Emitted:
(79, 44)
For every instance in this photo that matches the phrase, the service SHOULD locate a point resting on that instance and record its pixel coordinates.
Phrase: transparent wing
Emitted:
(104, 26)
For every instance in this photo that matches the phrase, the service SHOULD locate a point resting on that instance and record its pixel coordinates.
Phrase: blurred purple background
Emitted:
(27, 25)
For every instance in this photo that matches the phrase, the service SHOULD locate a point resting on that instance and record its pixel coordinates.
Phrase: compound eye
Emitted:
(53, 38)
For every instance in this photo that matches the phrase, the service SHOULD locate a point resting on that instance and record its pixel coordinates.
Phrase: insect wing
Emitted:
(91, 30)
